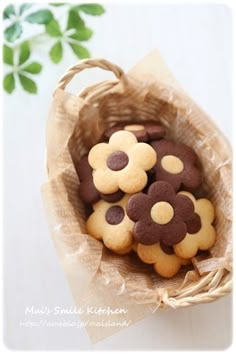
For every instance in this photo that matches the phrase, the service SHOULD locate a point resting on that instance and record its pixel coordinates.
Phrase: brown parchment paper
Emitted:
(97, 277)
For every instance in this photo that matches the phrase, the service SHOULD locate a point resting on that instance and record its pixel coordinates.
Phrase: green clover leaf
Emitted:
(27, 84)
(80, 51)
(33, 68)
(82, 35)
(9, 83)
(24, 53)
(53, 28)
(74, 20)
(24, 7)
(8, 55)
(13, 32)
(8, 11)
(92, 9)
(56, 52)
(40, 17)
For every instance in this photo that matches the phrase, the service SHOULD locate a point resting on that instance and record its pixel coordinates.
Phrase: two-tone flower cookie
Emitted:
(205, 237)
(121, 163)
(109, 223)
(177, 165)
(160, 215)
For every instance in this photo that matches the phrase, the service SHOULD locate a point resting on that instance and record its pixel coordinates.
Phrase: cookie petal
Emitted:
(167, 266)
(191, 179)
(194, 224)
(94, 225)
(205, 210)
(98, 155)
(117, 238)
(186, 153)
(135, 209)
(162, 147)
(122, 140)
(147, 232)
(184, 207)
(87, 192)
(187, 248)
(83, 169)
(207, 237)
(148, 253)
(162, 191)
(203, 240)
(143, 156)
(105, 181)
(131, 179)
(174, 232)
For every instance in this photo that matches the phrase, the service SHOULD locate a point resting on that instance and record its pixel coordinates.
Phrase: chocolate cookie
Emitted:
(144, 132)
(160, 215)
(177, 165)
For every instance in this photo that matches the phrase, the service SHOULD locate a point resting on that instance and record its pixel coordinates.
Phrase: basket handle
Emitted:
(87, 64)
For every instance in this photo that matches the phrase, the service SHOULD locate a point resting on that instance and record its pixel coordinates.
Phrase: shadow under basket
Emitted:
(76, 122)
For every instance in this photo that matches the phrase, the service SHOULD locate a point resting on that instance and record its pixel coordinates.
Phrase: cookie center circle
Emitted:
(115, 215)
(117, 161)
(134, 127)
(162, 213)
(172, 164)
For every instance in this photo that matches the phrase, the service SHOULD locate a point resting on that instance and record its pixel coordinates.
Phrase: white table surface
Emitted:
(195, 40)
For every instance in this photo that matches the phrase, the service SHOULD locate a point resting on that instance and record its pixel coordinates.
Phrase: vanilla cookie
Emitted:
(205, 237)
(164, 261)
(121, 163)
(110, 224)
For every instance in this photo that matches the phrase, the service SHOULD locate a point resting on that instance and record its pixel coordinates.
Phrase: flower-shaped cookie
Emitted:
(121, 164)
(206, 235)
(164, 261)
(145, 132)
(87, 190)
(176, 164)
(160, 215)
(110, 224)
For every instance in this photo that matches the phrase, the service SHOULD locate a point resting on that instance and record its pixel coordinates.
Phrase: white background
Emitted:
(195, 40)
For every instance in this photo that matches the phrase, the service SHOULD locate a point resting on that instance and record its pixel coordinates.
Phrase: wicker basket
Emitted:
(99, 107)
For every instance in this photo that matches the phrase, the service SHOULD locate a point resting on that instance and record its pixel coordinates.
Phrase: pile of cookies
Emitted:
(142, 190)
